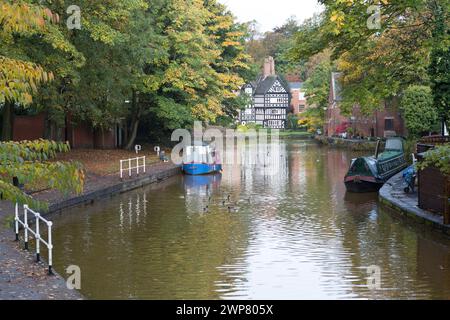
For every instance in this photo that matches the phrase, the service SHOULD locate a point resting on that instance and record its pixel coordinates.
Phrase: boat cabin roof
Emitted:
(205, 149)
(394, 144)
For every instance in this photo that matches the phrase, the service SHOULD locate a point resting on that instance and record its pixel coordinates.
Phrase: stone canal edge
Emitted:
(405, 205)
(20, 276)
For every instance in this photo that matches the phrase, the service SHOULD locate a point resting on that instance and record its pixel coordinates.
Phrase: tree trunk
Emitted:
(133, 133)
(134, 123)
(8, 110)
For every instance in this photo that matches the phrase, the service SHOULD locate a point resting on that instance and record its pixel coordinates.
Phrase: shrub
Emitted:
(418, 110)
(438, 158)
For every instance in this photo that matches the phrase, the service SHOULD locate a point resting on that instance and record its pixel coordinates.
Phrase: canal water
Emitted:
(295, 234)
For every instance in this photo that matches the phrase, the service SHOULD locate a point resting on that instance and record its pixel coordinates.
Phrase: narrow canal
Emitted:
(293, 235)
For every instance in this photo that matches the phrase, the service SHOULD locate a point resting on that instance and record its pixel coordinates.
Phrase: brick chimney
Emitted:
(269, 67)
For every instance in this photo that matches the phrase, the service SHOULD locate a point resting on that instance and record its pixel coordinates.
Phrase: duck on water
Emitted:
(368, 174)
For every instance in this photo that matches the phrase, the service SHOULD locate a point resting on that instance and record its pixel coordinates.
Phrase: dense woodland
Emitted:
(161, 64)
(168, 61)
(404, 57)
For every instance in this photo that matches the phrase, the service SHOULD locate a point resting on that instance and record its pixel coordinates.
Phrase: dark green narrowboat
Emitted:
(368, 174)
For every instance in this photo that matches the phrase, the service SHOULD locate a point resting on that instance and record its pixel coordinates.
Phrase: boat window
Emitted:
(188, 154)
(394, 144)
(198, 154)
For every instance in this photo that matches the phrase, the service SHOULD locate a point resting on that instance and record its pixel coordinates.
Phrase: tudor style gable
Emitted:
(277, 87)
(270, 95)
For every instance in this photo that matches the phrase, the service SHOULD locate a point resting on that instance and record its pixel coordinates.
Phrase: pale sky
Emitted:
(270, 14)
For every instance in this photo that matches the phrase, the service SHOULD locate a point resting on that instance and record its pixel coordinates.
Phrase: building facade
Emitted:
(298, 99)
(80, 135)
(269, 99)
(384, 122)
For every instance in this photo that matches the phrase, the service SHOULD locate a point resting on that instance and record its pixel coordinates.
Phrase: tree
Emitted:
(418, 110)
(111, 49)
(312, 118)
(173, 61)
(317, 86)
(19, 78)
(28, 162)
(440, 60)
(198, 67)
(377, 62)
(277, 43)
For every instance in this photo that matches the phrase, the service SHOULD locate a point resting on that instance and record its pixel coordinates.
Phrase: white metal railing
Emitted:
(36, 233)
(130, 168)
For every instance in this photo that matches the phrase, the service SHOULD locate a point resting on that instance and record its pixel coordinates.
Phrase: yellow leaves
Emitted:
(18, 79)
(28, 161)
(152, 83)
(231, 43)
(350, 71)
(207, 111)
(24, 18)
(222, 23)
(338, 18)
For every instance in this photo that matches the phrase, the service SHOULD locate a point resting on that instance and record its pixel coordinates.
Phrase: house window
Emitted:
(389, 124)
(301, 96)
(301, 106)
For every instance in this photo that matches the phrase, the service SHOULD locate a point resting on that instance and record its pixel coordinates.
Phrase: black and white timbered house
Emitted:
(270, 99)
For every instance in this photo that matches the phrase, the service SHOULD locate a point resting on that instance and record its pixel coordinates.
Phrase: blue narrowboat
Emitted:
(199, 160)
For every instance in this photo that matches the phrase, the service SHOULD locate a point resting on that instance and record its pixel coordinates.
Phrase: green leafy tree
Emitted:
(199, 65)
(317, 86)
(418, 110)
(277, 43)
(29, 162)
(440, 60)
(19, 76)
(376, 62)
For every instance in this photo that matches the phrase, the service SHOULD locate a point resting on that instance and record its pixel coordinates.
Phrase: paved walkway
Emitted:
(20, 276)
(392, 195)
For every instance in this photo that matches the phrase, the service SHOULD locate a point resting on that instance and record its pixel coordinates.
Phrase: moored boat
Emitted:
(199, 160)
(368, 174)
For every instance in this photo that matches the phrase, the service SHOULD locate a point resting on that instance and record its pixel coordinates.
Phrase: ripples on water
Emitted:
(292, 235)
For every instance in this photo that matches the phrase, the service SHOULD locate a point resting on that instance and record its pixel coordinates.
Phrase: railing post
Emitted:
(38, 237)
(129, 167)
(16, 219)
(25, 217)
(50, 248)
(145, 163)
(121, 169)
(137, 165)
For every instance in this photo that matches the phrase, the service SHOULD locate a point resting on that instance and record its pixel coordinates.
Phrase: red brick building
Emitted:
(387, 121)
(298, 99)
(80, 135)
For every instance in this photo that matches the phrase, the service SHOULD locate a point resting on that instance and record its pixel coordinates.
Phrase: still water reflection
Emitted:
(294, 235)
